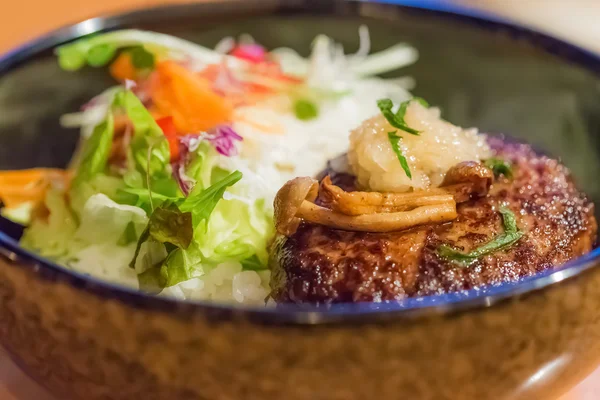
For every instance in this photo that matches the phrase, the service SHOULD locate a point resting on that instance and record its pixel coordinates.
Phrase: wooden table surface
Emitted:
(575, 20)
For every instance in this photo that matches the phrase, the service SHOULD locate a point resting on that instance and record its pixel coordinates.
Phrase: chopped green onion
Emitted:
(499, 166)
(395, 143)
(421, 101)
(305, 110)
(510, 236)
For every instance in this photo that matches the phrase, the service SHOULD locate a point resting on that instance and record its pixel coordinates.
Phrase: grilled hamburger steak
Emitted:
(318, 264)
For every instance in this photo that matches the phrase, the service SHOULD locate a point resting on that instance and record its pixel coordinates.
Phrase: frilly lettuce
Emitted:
(95, 152)
(236, 230)
(149, 148)
(223, 219)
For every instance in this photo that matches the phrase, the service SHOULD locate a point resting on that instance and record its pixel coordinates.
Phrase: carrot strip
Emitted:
(30, 185)
(188, 98)
(122, 68)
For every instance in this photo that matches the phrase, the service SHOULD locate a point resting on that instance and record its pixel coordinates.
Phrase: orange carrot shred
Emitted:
(122, 68)
(30, 185)
(188, 98)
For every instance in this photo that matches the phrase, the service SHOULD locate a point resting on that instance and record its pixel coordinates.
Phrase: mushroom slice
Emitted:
(359, 203)
(378, 222)
(467, 178)
(289, 199)
(295, 202)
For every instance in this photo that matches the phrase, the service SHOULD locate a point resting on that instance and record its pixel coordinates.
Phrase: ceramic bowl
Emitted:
(534, 339)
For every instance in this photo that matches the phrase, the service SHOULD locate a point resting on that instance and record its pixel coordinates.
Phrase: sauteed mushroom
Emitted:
(295, 202)
(378, 222)
(358, 203)
(466, 179)
(375, 211)
(288, 201)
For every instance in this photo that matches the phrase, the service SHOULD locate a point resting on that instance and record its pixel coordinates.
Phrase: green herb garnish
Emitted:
(141, 58)
(395, 143)
(510, 236)
(396, 120)
(499, 166)
(305, 110)
(421, 101)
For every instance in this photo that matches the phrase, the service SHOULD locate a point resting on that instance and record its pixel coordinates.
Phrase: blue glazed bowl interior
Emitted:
(481, 71)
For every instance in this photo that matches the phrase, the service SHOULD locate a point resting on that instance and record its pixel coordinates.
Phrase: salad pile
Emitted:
(172, 185)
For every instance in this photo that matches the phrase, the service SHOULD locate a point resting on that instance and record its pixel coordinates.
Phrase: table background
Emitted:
(21, 20)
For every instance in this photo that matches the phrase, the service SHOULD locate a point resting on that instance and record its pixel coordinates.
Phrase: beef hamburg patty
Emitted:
(318, 264)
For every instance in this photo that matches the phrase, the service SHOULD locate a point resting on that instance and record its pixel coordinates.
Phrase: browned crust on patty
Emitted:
(322, 265)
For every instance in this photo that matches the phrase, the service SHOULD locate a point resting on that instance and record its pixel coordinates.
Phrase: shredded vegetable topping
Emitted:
(179, 162)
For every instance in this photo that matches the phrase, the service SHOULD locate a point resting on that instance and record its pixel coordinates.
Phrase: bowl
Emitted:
(533, 339)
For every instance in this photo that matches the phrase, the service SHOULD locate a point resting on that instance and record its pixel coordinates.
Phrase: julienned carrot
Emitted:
(29, 185)
(122, 68)
(188, 98)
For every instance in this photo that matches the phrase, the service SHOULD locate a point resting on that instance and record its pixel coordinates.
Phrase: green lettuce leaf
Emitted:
(142, 198)
(237, 231)
(181, 265)
(149, 148)
(203, 167)
(167, 225)
(151, 254)
(202, 202)
(95, 152)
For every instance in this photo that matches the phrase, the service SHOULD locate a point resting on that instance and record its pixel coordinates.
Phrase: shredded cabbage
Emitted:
(105, 221)
(52, 238)
(328, 65)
